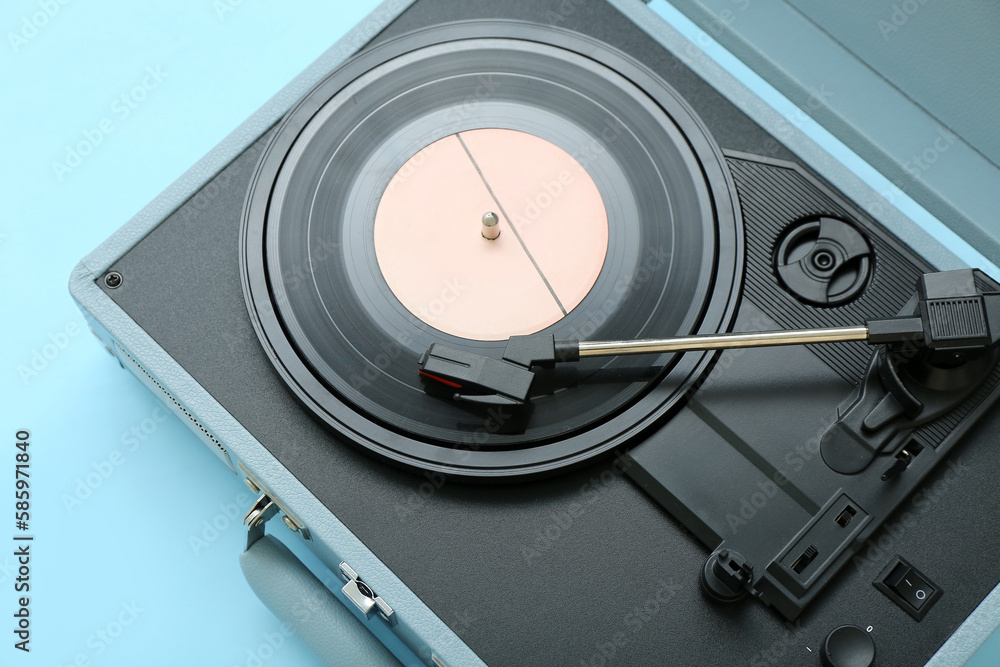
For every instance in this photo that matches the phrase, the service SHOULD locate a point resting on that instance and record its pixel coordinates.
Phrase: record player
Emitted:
(556, 356)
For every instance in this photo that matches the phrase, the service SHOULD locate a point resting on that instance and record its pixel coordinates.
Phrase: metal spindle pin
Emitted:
(491, 226)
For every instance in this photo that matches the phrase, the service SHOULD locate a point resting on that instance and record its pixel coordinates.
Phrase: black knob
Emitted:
(848, 646)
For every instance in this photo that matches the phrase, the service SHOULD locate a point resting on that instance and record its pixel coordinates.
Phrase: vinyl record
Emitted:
(362, 242)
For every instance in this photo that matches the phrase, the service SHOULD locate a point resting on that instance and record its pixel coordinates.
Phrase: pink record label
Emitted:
(430, 244)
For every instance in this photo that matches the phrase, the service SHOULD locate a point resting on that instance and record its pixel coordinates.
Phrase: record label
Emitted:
(551, 244)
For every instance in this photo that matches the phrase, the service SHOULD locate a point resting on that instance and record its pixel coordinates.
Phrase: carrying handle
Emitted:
(300, 600)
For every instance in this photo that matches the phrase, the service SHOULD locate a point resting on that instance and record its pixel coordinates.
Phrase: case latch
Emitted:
(364, 597)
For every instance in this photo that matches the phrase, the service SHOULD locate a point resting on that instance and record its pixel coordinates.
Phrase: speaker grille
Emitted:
(223, 454)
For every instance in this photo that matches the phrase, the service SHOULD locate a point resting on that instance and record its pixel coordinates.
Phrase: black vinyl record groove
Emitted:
(346, 346)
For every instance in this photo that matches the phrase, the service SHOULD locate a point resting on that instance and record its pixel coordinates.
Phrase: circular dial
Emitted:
(848, 646)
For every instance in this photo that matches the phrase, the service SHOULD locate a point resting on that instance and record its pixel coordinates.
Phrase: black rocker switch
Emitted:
(908, 587)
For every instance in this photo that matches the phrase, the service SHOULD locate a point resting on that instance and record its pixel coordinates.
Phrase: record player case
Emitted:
(582, 567)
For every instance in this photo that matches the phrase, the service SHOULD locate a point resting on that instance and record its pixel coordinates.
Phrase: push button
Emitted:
(908, 587)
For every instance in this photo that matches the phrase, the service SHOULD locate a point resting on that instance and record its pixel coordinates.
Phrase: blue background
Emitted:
(129, 510)
(130, 540)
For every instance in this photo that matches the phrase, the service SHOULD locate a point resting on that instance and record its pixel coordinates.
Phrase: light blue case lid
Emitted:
(910, 86)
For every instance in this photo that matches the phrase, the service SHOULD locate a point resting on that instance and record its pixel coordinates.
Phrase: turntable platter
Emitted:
(362, 241)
